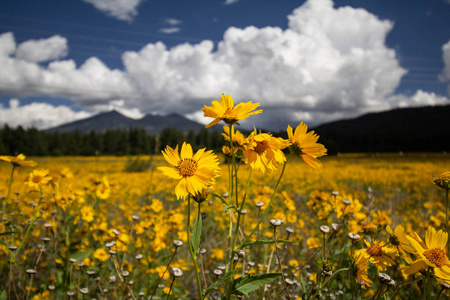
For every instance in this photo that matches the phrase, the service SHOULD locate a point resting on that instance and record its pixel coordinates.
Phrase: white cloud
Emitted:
(445, 75)
(124, 10)
(170, 30)
(172, 21)
(42, 50)
(329, 63)
(39, 115)
(227, 2)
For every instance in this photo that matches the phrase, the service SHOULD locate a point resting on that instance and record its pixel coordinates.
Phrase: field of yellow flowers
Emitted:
(359, 227)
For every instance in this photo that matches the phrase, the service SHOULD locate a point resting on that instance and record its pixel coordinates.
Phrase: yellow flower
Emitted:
(263, 152)
(313, 242)
(443, 181)
(18, 161)
(379, 254)
(238, 137)
(398, 239)
(103, 190)
(359, 269)
(38, 178)
(432, 253)
(87, 213)
(227, 112)
(305, 145)
(194, 172)
(101, 254)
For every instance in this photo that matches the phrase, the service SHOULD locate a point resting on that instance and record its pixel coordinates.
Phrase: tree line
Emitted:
(134, 141)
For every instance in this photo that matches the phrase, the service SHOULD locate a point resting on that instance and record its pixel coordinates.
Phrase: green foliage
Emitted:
(134, 141)
(196, 235)
(249, 283)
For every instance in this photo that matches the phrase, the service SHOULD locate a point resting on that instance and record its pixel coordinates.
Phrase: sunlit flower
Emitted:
(194, 172)
(101, 254)
(238, 137)
(38, 178)
(263, 152)
(103, 190)
(379, 254)
(87, 213)
(443, 181)
(227, 112)
(18, 161)
(313, 242)
(398, 239)
(359, 267)
(305, 145)
(432, 253)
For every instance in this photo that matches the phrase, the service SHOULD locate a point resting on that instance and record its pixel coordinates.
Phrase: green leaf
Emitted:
(224, 278)
(8, 232)
(303, 284)
(264, 242)
(80, 256)
(196, 234)
(251, 282)
(220, 197)
(226, 208)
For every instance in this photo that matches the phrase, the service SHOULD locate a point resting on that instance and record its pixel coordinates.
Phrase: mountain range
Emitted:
(113, 120)
(403, 129)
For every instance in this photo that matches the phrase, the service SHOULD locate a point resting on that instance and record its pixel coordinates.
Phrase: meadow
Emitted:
(266, 219)
(95, 196)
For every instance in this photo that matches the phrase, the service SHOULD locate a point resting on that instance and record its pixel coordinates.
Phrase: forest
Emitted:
(135, 141)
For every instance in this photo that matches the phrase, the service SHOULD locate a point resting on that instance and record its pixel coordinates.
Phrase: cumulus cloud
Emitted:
(325, 65)
(124, 10)
(445, 75)
(39, 115)
(227, 2)
(42, 50)
(172, 21)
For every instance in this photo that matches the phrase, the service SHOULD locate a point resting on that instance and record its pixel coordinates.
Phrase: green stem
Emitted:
(27, 233)
(446, 218)
(9, 191)
(191, 252)
(266, 211)
(240, 209)
(326, 281)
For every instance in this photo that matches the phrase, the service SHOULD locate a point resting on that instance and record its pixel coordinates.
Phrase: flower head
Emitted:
(305, 145)
(263, 152)
(432, 253)
(443, 181)
(359, 267)
(18, 161)
(227, 112)
(194, 172)
(379, 254)
(38, 178)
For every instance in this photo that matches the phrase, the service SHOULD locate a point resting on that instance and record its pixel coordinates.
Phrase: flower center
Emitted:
(436, 256)
(36, 178)
(260, 147)
(187, 167)
(375, 250)
(228, 116)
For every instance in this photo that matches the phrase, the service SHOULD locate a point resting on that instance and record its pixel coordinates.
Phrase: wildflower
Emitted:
(443, 181)
(237, 138)
(398, 239)
(379, 254)
(263, 152)
(194, 172)
(101, 254)
(313, 242)
(305, 145)
(432, 253)
(18, 161)
(103, 190)
(359, 269)
(38, 178)
(227, 112)
(87, 213)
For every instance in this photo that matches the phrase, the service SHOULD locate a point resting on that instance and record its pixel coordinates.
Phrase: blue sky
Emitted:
(313, 61)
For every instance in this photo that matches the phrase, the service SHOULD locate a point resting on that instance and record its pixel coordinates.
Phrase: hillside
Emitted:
(113, 120)
(405, 129)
